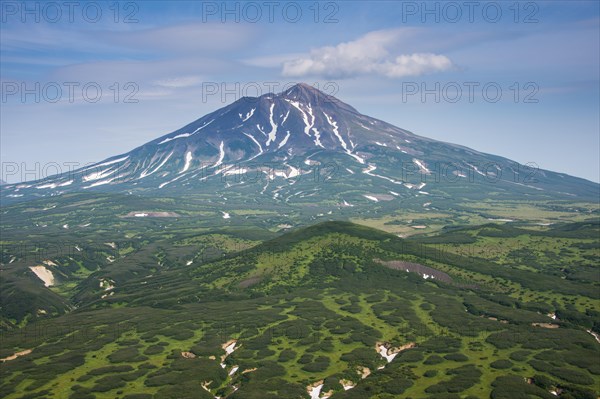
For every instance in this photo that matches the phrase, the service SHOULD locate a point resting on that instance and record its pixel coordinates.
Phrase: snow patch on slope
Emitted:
(221, 155)
(337, 134)
(284, 141)
(371, 168)
(422, 166)
(203, 126)
(251, 137)
(248, 115)
(273, 133)
(103, 164)
(309, 121)
(99, 175)
(179, 136)
(285, 117)
(145, 173)
(188, 161)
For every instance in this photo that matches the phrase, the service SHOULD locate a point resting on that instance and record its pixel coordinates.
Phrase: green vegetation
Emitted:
(312, 305)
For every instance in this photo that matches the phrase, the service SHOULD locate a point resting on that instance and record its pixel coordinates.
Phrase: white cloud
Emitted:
(368, 55)
(179, 82)
(414, 65)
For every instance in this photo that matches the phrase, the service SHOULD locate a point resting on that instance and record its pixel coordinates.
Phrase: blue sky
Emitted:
(412, 64)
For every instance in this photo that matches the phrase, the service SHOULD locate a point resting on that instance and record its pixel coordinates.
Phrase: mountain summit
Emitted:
(304, 136)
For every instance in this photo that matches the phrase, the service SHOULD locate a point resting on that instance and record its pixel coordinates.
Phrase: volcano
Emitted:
(284, 147)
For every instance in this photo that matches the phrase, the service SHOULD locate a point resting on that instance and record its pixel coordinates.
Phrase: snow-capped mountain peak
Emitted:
(293, 130)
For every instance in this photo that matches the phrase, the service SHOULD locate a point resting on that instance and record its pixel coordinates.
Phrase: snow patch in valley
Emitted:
(43, 274)
(107, 284)
(385, 353)
(229, 347)
(16, 355)
(226, 215)
(272, 136)
(315, 390)
(595, 335)
(389, 353)
(374, 199)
